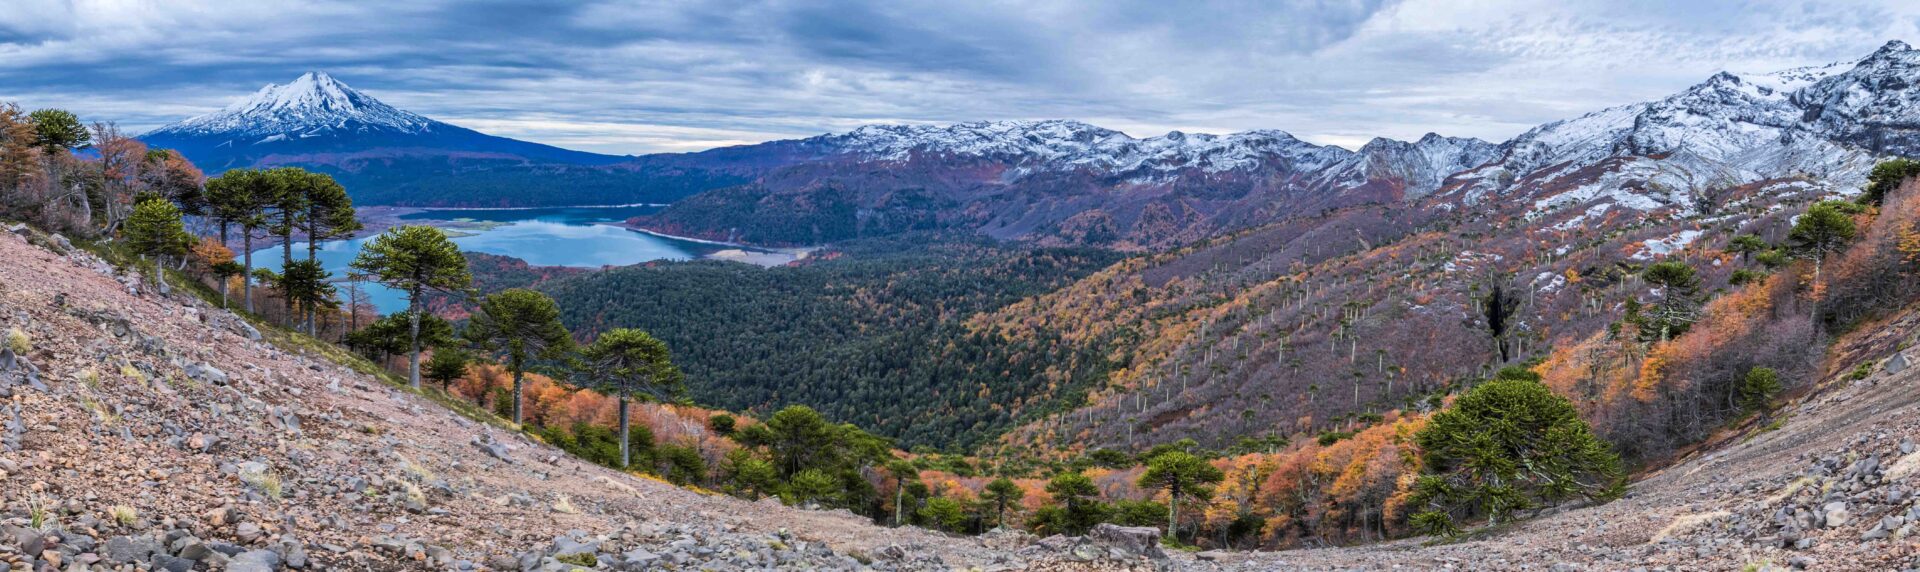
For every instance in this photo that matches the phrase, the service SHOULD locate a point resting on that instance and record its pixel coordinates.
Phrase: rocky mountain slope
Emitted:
(151, 430)
(147, 430)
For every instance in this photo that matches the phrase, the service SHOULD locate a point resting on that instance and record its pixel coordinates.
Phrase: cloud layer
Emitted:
(635, 76)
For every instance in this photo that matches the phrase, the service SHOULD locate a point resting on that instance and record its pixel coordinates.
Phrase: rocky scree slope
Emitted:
(140, 430)
(1833, 485)
(144, 430)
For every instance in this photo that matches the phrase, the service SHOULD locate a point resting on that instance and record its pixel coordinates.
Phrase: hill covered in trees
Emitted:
(869, 332)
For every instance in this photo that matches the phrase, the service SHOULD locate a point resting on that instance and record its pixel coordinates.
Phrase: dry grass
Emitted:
(1685, 523)
(18, 340)
(265, 481)
(565, 505)
(123, 514)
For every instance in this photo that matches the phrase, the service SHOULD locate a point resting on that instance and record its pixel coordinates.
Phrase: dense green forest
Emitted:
(869, 332)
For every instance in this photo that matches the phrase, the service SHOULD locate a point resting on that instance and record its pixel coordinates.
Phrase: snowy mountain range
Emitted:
(1820, 127)
(1070, 181)
(317, 119)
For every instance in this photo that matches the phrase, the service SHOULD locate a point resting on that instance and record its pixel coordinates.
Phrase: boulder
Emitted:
(1113, 542)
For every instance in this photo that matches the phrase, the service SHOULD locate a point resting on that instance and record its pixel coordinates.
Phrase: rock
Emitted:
(132, 549)
(1121, 543)
(1898, 363)
(247, 532)
(206, 373)
(1878, 532)
(1836, 514)
(171, 563)
(254, 561)
(1211, 555)
(639, 559)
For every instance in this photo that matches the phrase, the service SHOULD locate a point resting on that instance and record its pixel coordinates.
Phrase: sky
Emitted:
(635, 76)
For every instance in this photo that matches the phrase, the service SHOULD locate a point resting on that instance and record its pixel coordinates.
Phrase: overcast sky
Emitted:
(635, 76)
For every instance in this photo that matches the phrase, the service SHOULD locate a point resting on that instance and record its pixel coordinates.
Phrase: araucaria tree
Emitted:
(416, 259)
(155, 230)
(627, 363)
(1001, 493)
(329, 215)
(449, 364)
(239, 198)
(1509, 444)
(1823, 229)
(1182, 475)
(1678, 307)
(519, 326)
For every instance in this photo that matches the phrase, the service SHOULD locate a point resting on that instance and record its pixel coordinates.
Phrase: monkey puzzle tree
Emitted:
(415, 259)
(999, 494)
(519, 326)
(449, 364)
(1824, 228)
(154, 229)
(58, 130)
(239, 198)
(1078, 505)
(1182, 475)
(329, 214)
(1679, 288)
(1507, 445)
(626, 363)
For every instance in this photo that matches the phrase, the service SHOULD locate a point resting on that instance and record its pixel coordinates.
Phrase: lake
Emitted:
(560, 236)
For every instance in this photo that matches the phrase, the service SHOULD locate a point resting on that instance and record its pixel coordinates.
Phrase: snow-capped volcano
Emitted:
(313, 105)
(316, 119)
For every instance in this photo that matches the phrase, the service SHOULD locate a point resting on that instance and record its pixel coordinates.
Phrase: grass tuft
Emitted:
(18, 341)
(123, 514)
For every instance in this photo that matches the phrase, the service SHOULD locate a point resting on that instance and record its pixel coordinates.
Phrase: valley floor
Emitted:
(242, 451)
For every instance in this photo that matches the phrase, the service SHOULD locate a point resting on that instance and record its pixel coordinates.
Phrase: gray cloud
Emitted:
(634, 76)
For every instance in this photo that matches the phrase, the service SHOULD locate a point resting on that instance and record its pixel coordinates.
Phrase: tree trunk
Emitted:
(312, 247)
(246, 280)
(625, 459)
(899, 498)
(517, 419)
(413, 355)
(1173, 512)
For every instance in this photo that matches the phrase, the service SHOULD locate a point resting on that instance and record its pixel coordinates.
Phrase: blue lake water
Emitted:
(570, 236)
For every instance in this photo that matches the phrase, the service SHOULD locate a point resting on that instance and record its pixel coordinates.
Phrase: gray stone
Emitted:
(206, 373)
(132, 549)
(171, 563)
(1836, 514)
(1898, 363)
(254, 561)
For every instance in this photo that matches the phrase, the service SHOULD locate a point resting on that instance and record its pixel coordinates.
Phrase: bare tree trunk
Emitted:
(413, 356)
(246, 279)
(625, 458)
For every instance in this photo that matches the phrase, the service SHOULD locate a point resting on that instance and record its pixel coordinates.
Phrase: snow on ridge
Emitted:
(1066, 144)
